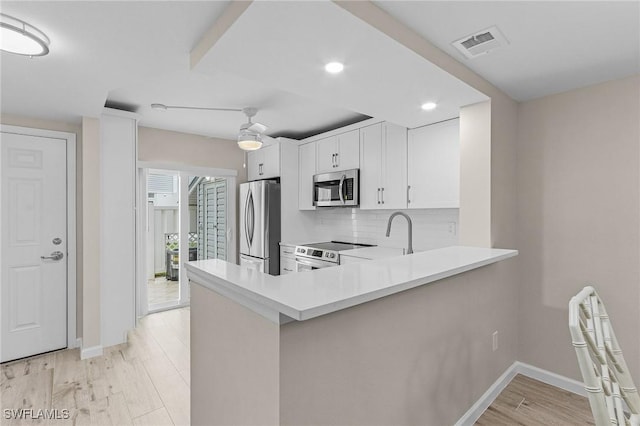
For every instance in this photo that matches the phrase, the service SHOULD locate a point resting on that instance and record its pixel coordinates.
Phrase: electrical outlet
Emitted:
(452, 228)
(495, 340)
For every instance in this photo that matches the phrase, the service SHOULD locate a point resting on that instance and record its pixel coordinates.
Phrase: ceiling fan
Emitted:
(250, 133)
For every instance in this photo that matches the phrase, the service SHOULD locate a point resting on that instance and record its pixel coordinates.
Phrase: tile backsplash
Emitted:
(432, 228)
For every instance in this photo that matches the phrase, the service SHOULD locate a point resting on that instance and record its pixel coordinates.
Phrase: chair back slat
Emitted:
(612, 395)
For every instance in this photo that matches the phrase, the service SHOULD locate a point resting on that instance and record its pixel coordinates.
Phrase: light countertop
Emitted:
(373, 253)
(306, 295)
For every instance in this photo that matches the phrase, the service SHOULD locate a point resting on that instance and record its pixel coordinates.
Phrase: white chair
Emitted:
(613, 397)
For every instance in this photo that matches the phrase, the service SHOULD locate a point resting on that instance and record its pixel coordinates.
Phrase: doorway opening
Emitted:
(186, 212)
(163, 221)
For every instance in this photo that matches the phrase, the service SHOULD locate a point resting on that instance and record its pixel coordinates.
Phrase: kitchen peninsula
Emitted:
(380, 342)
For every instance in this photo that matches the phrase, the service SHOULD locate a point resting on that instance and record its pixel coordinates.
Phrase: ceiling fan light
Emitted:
(249, 141)
(21, 38)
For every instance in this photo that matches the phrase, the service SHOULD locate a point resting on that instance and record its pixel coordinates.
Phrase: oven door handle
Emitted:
(341, 187)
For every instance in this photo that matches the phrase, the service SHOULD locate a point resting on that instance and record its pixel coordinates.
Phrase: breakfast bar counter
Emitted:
(303, 296)
(364, 343)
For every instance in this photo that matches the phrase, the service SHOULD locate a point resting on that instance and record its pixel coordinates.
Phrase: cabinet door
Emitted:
(270, 162)
(348, 150)
(326, 150)
(370, 167)
(306, 170)
(254, 158)
(394, 167)
(434, 166)
(287, 266)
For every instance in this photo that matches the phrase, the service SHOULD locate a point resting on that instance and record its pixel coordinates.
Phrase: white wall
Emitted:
(91, 232)
(430, 227)
(579, 217)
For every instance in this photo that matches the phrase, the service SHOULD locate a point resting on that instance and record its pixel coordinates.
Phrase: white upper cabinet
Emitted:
(306, 170)
(264, 163)
(434, 166)
(383, 167)
(337, 153)
(371, 163)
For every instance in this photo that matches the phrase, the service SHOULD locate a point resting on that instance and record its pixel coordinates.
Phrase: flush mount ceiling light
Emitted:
(21, 38)
(250, 134)
(428, 106)
(334, 67)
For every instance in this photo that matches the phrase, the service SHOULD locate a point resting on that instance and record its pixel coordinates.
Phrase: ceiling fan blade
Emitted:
(166, 107)
(257, 127)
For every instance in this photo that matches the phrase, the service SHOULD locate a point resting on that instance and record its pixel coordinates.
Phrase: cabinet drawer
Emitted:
(287, 265)
(287, 251)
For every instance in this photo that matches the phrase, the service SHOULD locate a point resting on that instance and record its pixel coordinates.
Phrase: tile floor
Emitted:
(160, 290)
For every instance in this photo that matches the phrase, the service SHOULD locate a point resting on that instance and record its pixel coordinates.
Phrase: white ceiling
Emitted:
(137, 52)
(287, 44)
(555, 46)
(97, 46)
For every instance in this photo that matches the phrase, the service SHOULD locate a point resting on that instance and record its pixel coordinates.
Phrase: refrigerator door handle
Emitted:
(246, 219)
(252, 221)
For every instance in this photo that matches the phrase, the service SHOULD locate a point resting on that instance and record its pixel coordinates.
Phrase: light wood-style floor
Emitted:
(142, 382)
(146, 382)
(526, 401)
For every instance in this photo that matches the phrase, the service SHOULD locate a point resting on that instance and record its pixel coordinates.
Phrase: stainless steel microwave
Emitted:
(336, 189)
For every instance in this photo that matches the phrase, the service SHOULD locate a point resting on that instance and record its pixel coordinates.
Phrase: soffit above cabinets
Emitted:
(285, 45)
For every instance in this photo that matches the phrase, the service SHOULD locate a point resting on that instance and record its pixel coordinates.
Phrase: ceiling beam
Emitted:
(387, 24)
(217, 30)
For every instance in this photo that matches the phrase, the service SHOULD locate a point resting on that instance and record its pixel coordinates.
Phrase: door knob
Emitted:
(56, 255)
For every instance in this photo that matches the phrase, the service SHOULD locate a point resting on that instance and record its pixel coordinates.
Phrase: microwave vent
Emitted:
(481, 42)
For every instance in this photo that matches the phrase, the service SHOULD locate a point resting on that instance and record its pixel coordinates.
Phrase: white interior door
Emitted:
(34, 245)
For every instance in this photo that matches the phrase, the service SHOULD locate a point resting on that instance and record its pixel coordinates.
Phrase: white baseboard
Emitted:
(476, 410)
(550, 378)
(91, 352)
(545, 376)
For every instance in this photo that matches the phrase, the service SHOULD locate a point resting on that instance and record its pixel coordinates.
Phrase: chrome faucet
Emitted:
(410, 229)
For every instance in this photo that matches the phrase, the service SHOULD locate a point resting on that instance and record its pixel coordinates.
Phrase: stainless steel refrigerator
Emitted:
(260, 226)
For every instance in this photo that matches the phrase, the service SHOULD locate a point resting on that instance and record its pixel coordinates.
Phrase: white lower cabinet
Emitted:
(287, 259)
(434, 166)
(383, 167)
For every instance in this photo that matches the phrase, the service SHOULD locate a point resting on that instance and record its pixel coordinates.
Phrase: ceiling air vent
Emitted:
(481, 42)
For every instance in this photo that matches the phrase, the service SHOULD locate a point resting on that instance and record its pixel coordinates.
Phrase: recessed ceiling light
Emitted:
(428, 106)
(21, 38)
(334, 67)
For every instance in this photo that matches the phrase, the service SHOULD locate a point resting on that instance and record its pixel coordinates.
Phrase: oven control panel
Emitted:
(318, 254)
